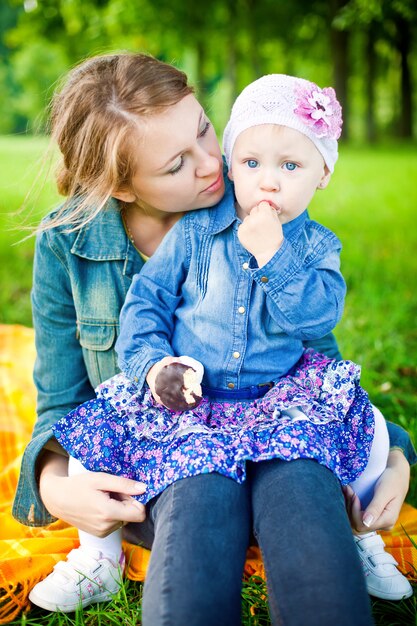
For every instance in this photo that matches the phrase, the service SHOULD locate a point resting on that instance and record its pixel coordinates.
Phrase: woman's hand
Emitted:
(390, 491)
(261, 232)
(97, 503)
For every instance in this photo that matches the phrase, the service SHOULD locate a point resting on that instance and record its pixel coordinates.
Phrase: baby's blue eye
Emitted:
(290, 167)
(252, 163)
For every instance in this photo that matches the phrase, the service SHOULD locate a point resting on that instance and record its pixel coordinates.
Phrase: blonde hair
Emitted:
(93, 118)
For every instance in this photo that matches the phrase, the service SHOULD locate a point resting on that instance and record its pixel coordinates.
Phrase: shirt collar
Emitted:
(290, 227)
(104, 238)
(217, 218)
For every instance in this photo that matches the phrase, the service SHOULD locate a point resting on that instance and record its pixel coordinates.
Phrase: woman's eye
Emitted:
(178, 167)
(205, 128)
(290, 167)
(252, 163)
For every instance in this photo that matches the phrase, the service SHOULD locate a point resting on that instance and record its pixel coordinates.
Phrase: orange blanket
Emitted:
(28, 554)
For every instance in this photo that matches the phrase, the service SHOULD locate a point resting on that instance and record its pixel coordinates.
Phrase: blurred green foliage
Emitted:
(365, 48)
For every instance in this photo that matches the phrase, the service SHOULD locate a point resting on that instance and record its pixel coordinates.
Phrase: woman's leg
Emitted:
(313, 571)
(202, 527)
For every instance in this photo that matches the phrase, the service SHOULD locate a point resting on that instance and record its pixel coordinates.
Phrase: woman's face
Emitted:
(179, 161)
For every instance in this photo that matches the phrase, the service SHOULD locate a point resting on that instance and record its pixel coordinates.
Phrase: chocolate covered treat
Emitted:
(178, 384)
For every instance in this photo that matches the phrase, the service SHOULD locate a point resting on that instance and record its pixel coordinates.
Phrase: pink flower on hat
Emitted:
(319, 109)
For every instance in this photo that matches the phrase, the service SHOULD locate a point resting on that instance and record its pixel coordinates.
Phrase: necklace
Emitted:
(127, 229)
(130, 235)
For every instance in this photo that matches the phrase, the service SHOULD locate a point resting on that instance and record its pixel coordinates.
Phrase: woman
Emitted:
(122, 200)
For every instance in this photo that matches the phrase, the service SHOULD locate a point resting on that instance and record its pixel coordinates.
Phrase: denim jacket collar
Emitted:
(103, 239)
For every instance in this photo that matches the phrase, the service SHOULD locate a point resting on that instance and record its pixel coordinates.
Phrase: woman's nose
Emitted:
(207, 164)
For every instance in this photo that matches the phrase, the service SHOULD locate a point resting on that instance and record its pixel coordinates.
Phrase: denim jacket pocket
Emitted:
(97, 341)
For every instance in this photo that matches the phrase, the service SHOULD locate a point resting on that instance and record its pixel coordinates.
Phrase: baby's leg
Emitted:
(91, 573)
(110, 546)
(377, 463)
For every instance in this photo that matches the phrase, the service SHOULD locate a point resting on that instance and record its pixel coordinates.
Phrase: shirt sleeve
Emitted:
(401, 440)
(147, 316)
(305, 295)
(325, 345)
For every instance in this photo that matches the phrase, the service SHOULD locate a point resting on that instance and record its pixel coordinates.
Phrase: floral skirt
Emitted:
(319, 412)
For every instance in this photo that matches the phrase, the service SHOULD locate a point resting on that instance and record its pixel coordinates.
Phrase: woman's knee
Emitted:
(303, 480)
(203, 501)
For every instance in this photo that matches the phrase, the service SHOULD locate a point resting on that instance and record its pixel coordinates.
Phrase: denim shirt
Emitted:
(203, 294)
(79, 286)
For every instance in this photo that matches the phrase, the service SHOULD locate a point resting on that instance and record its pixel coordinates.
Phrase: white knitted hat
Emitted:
(292, 102)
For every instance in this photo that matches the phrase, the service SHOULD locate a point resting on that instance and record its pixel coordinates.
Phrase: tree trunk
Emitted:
(231, 50)
(339, 44)
(370, 84)
(253, 39)
(404, 47)
(200, 72)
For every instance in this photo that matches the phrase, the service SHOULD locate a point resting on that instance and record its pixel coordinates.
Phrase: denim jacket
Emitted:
(80, 282)
(79, 286)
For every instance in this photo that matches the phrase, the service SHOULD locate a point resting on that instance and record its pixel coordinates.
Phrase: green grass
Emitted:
(125, 610)
(21, 166)
(371, 204)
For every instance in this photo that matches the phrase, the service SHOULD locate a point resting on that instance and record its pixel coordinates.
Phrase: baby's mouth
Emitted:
(273, 205)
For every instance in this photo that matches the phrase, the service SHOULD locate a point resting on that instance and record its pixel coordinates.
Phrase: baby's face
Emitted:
(279, 165)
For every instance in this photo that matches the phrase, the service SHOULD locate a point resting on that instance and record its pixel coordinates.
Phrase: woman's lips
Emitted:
(215, 186)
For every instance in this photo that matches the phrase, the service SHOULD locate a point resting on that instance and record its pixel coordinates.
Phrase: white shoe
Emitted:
(383, 580)
(86, 577)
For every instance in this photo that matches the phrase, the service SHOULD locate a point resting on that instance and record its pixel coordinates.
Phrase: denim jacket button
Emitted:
(236, 355)
(241, 309)
(231, 385)
(245, 266)
(264, 279)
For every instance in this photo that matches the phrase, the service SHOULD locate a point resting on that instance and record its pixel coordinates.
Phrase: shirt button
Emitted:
(245, 266)
(231, 385)
(136, 379)
(241, 309)
(236, 355)
(264, 279)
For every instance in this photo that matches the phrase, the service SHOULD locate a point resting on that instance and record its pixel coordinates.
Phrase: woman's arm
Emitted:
(62, 383)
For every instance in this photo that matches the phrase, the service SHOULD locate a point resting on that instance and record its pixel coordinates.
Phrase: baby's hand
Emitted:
(261, 232)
